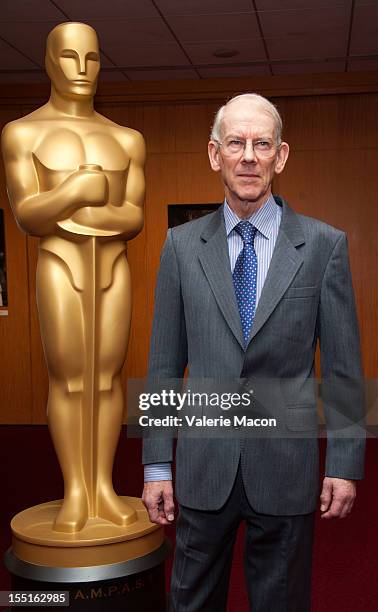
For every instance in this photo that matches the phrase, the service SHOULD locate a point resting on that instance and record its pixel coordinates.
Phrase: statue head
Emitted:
(73, 59)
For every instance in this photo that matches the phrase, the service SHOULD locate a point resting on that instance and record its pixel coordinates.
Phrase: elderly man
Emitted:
(247, 292)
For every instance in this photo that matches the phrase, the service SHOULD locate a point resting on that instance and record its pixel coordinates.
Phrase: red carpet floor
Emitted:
(345, 575)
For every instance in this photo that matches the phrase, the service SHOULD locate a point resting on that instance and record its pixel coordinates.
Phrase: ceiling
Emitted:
(193, 39)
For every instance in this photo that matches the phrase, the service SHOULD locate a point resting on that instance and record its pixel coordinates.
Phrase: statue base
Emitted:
(103, 567)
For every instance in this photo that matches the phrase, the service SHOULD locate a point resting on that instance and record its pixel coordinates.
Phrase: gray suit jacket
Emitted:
(307, 296)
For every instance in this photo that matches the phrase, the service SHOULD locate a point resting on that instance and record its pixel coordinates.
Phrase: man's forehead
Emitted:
(244, 115)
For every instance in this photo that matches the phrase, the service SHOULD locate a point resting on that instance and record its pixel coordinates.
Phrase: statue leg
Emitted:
(62, 329)
(114, 318)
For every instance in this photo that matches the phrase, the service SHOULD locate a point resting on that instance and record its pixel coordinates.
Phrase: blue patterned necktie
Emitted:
(245, 276)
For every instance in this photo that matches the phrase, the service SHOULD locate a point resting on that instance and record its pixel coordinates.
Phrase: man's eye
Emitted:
(235, 142)
(263, 144)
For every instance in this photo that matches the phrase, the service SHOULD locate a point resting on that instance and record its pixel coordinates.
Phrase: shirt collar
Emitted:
(263, 219)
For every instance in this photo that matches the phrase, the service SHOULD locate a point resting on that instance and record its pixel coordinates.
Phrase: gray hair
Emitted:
(267, 106)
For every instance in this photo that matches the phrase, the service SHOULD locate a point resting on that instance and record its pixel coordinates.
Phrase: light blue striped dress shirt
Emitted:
(267, 221)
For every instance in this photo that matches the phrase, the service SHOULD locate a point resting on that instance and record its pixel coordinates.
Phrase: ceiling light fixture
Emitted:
(225, 53)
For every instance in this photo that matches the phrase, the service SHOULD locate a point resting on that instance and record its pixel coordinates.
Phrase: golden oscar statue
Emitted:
(76, 180)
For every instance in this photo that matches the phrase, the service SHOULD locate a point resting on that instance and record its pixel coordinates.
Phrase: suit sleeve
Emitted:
(342, 377)
(168, 351)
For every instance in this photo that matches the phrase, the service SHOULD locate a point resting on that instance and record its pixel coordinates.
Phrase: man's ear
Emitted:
(213, 152)
(282, 155)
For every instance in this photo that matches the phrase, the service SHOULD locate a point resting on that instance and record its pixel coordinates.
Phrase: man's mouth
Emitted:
(249, 175)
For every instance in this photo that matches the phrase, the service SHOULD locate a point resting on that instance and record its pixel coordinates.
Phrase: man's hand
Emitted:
(158, 499)
(337, 497)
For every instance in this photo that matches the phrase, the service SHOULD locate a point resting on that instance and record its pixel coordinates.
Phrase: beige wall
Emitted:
(331, 174)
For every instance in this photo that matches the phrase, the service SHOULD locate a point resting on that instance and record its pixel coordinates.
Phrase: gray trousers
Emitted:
(277, 558)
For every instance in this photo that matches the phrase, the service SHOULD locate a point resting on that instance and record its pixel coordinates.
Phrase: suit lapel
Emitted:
(215, 262)
(285, 263)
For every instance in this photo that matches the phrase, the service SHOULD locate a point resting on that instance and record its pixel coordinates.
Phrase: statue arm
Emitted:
(36, 211)
(135, 189)
(127, 218)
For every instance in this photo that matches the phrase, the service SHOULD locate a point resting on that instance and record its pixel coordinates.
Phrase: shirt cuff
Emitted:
(157, 471)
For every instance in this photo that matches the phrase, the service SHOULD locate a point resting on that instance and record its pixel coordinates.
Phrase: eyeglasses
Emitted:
(235, 146)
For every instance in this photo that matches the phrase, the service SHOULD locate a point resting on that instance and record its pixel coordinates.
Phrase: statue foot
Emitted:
(114, 509)
(73, 513)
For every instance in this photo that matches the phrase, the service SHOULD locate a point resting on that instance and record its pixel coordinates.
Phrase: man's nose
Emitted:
(249, 154)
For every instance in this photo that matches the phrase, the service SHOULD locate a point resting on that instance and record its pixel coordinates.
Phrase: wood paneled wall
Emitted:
(331, 174)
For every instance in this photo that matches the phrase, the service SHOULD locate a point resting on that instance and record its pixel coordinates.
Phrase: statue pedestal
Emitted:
(103, 567)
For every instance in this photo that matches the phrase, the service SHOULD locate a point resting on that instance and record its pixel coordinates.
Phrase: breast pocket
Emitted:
(300, 292)
(295, 316)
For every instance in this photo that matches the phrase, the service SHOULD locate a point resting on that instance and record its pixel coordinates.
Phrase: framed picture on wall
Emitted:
(3, 268)
(181, 213)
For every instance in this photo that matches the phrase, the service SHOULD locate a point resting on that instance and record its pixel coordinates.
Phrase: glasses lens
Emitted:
(233, 146)
(263, 147)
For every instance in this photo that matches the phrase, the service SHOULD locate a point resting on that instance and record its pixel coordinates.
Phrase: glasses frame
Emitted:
(275, 146)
